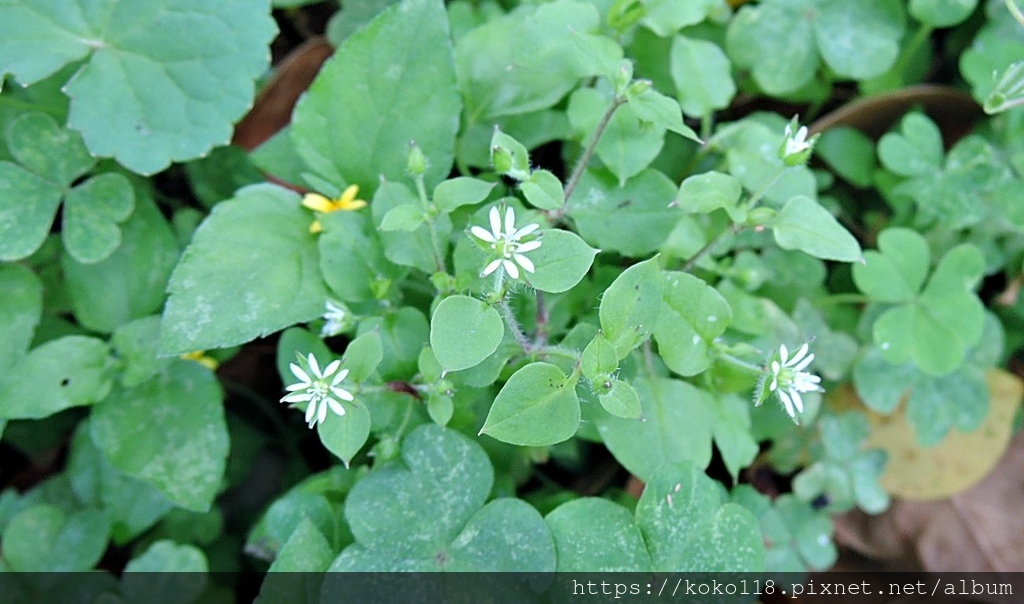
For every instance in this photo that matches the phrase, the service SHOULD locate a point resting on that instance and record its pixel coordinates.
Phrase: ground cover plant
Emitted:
(519, 286)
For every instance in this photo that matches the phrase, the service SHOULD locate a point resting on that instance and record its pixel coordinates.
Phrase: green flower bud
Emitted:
(501, 159)
(760, 216)
(623, 77)
(417, 163)
(637, 88)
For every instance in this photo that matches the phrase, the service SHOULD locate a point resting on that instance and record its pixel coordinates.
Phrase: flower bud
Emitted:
(501, 159)
(638, 87)
(417, 163)
(796, 148)
(623, 77)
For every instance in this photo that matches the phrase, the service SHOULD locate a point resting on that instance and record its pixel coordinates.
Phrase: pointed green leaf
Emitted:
(536, 407)
(461, 191)
(362, 355)
(702, 75)
(621, 401)
(464, 331)
(345, 435)
(653, 107)
(630, 305)
(184, 453)
(599, 359)
(227, 291)
(371, 98)
(704, 193)
(691, 316)
(806, 226)
(543, 190)
(402, 218)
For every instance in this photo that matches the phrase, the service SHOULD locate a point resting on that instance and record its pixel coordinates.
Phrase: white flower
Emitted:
(788, 379)
(319, 389)
(796, 147)
(795, 143)
(338, 319)
(507, 243)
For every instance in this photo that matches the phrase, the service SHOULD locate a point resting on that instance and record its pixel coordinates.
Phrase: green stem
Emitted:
(556, 351)
(588, 153)
(911, 47)
(421, 189)
(706, 124)
(513, 325)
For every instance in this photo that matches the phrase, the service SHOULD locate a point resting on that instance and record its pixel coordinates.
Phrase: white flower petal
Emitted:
(490, 268)
(776, 368)
(341, 375)
(804, 363)
(510, 268)
(314, 367)
(322, 415)
(529, 246)
(799, 355)
(510, 220)
(783, 353)
(526, 230)
(788, 403)
(524, 262)
(343, 394)
(298, 397)
(310, 412)
(294, 387)
(495, 219)
(300, 374)
(774, 384)
(331, 368)
(797, 401)
(336, 406)
(482, 234)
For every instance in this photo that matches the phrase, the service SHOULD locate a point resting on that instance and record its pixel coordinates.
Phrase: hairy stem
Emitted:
(588, 153)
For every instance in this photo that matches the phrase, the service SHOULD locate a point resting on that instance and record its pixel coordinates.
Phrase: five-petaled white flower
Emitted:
(337, 317)
(788, 379)
(507, 243)
(319, 389)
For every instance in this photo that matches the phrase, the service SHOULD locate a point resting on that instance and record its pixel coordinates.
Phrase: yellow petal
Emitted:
(318, 203)
(316, 227)
(348, 206)
(348, 196)
(200, 357)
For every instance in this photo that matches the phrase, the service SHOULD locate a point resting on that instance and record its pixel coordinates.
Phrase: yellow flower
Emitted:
(201, 357)
(318, 203)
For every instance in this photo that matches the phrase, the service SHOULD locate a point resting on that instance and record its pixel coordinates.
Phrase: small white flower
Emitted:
(338, 319)
(796, 147)
(507, 243)
(795, 143)
(319, 390)
(788, 379)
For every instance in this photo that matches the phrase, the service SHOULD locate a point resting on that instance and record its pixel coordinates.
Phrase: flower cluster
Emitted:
(789, 380)
(507, 243)
(319, 389)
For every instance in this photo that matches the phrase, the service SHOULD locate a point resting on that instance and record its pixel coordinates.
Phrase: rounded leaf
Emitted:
(464, 331)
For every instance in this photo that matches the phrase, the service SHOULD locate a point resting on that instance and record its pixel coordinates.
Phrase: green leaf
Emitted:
(21, 308)
(27, 206)
(597, 535)
(633, 219)
(92, 212)
(665, 17)
(938, 403)
(536, 407)
(129, 284)
(415, 248)
(403, 335)
(160, 82)
(896, 272)
(371, 98)
(461, 191)
(183, 454)
(47, 149)
(916, 150)
(43, 538)
(850, 153)
(67, 372)
(629, 308)
(753, 40)
(226, 291)
(599, 359)
(428, 513)
(732, 433)
(995, 46)
(702, 75)
(402, 218)
(296, 573)
(226, 169)
(298, 342)
(661, 111)
(621, 401)
(352, 256)
(132, 505)
(692, 315)
(1008, 91)
(806, 226)
(881, 384)
(549, 48)
(543, 190)
(707, 192)
(362, 355)
(688, 527)
(464, 331)
(942, 13)
(345, 435)
(669, 408)
(860, 40)
(561, 261)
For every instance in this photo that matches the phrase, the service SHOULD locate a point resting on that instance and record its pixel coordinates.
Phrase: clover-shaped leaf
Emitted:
(428, 512)
(92, 212)
(160, 81)
(934, 326)
(797, 536)
(21, 308)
